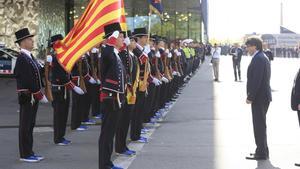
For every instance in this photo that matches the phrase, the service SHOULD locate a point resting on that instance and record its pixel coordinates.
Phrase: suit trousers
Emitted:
(60, 104)
(111, 113)
(259, 112)
(26, 124)
(138, 116)
(237, 69)
(122, 129)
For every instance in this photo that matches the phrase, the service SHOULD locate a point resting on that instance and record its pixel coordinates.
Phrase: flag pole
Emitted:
(149, 23)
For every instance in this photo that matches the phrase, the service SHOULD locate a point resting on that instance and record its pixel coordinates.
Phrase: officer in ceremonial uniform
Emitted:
(130, 63)
(112, 92)
(142, 50)
(91, 84)
(61, 84)
(153, 85)
(28, 75)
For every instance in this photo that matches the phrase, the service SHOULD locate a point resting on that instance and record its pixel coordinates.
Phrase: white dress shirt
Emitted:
(216, 53)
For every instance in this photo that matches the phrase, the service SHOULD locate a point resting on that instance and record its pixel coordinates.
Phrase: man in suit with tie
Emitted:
(258, 95)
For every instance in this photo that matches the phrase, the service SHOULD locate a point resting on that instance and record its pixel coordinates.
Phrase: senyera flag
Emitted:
(156, 7)
(89, 30)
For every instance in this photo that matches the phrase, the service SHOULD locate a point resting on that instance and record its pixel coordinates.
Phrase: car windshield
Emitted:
(11, 52)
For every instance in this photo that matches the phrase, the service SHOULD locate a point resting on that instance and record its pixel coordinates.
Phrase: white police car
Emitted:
(8, 58)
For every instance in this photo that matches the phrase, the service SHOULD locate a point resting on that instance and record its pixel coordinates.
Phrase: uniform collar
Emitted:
(26, 52)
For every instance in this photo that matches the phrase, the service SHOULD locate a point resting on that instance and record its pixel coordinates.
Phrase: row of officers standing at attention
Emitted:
(130, 77)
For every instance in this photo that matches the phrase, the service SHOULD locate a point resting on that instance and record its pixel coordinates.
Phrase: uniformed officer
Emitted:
(142, 50)
(130, 63)
(112, 92)
(61, 84)
(29, 85)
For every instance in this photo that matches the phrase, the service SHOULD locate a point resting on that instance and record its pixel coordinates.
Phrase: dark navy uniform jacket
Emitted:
(112, 70)
(58, 75)
(28, 74)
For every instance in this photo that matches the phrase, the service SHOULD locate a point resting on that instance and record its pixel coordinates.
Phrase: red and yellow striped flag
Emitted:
(89, 30)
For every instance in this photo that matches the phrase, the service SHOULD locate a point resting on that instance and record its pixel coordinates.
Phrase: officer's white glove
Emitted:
(178, 53)
(127, 41)
(78, 90)
(147, 49)
(44, 99)
(160, 82)
(165, 80)
(99, 55)
(170, 55)
(174, 73)
(92, 81)
(167, 51)
(49, 59)
(155, 81)
(115, 34)
(157, 54)
(94, 50)
(98, 81)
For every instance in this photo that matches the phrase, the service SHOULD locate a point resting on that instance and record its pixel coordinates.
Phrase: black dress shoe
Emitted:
(256, 157)
(297, 164)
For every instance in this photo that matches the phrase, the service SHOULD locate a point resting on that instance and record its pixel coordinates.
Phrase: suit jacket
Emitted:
(239, 52)
(295, 96)
(258, 79)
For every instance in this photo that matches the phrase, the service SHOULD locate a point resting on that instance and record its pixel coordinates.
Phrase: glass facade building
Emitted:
(181, 19)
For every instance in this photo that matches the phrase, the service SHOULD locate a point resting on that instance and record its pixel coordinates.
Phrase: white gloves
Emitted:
(115, 34)
(49, 58)
(170, 55)
(165, 79)
(157, 54)
(92, 81)
(167, 51)
(156, 81)
(44, 99)
(127, 41)
(147, 49)
(177, 52)
(174, 73)
(94, 50)
(78, 90)
(98, 81)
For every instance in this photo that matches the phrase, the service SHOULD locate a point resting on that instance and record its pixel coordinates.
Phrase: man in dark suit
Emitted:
(258, 95)
(295, 99)
(236, 53)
